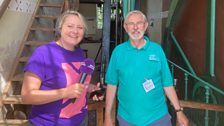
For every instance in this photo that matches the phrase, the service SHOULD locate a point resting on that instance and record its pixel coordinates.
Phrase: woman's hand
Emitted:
(74, 90)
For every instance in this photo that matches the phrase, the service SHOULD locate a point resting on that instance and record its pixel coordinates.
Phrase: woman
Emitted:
(52, 75)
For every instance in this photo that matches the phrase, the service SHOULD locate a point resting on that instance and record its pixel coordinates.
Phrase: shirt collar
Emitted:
(145, 47)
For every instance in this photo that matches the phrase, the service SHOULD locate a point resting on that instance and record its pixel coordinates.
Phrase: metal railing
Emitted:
(205, 107)
(202, 97)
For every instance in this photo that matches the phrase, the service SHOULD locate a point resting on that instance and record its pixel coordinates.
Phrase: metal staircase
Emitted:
(40, 31)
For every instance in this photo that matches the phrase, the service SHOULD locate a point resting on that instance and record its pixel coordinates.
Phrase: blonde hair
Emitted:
(63, 16)
(134, 12)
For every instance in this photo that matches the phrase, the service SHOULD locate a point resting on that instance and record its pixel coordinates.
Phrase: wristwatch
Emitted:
(178, 110)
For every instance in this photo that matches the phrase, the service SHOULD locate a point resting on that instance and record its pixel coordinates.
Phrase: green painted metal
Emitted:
(175, 4)
(196, 87)
(210, 54)
(125, 11)
(132, 5)
(182, 53)
(128, 5)
(172, 9)
(199, 79)
(125, 7)
(214, 118)
(206, 84)
(186, 86)
(210, 61)
(207, 94)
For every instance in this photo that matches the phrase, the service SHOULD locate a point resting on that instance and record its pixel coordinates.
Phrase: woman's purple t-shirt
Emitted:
(57, 68)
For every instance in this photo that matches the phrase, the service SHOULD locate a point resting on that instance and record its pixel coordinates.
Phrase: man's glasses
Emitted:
(138, 24)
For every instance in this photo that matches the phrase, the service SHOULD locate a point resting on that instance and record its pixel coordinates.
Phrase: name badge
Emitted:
(148, 85)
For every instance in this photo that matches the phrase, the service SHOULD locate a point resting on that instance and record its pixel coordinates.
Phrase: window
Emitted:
(99, 16)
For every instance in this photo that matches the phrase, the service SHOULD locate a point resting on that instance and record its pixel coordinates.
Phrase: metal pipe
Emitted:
(116, 20)
(125, 7)
(207, 94)
(132, 5)
(128, 5)
(172, 9)
(212, 39)
(106, 32)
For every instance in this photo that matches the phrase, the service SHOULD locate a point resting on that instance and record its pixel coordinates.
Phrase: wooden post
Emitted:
(99, 108)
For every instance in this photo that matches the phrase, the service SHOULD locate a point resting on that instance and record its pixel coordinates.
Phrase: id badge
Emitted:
(148, 85)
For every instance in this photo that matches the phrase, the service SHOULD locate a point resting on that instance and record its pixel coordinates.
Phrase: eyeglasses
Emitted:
(139, 24)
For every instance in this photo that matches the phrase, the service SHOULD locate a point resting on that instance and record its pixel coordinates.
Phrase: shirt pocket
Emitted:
(153, 67)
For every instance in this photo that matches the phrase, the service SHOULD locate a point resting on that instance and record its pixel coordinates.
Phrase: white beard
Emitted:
(136, 36)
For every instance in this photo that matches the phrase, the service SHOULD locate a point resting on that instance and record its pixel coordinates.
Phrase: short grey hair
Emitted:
(134, 12)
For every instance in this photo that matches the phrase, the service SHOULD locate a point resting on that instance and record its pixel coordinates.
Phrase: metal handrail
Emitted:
(208, 93)
(182, 53)
(169, 25)
(198, 78)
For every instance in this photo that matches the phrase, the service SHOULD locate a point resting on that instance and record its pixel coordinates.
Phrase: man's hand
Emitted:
(182, 119)
(108, 121)
(97, 93)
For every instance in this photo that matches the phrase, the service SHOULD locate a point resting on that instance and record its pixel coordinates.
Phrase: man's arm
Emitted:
(172, 96)
(110, 96)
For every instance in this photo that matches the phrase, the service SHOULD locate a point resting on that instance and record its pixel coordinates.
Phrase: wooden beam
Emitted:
(3, 6)
(199, 105)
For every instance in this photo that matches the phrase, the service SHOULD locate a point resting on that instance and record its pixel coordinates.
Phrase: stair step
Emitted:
(42, 29)
(24, 59)
(46, 16)
(13, 99)
(91, 1)
(51, 5)
(35, 43)
(12, 90)
(18, 77)
(13, 122)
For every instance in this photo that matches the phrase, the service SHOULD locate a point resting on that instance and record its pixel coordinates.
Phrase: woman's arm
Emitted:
(31, 93)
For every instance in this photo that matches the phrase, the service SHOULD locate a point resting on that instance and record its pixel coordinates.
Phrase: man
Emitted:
(139, 72)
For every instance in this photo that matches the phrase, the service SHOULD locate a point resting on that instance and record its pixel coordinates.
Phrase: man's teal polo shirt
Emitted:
(128, 69)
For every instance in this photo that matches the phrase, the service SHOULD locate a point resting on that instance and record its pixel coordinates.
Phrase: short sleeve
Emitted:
(111, 74)
(167, 79)
(36, 63)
